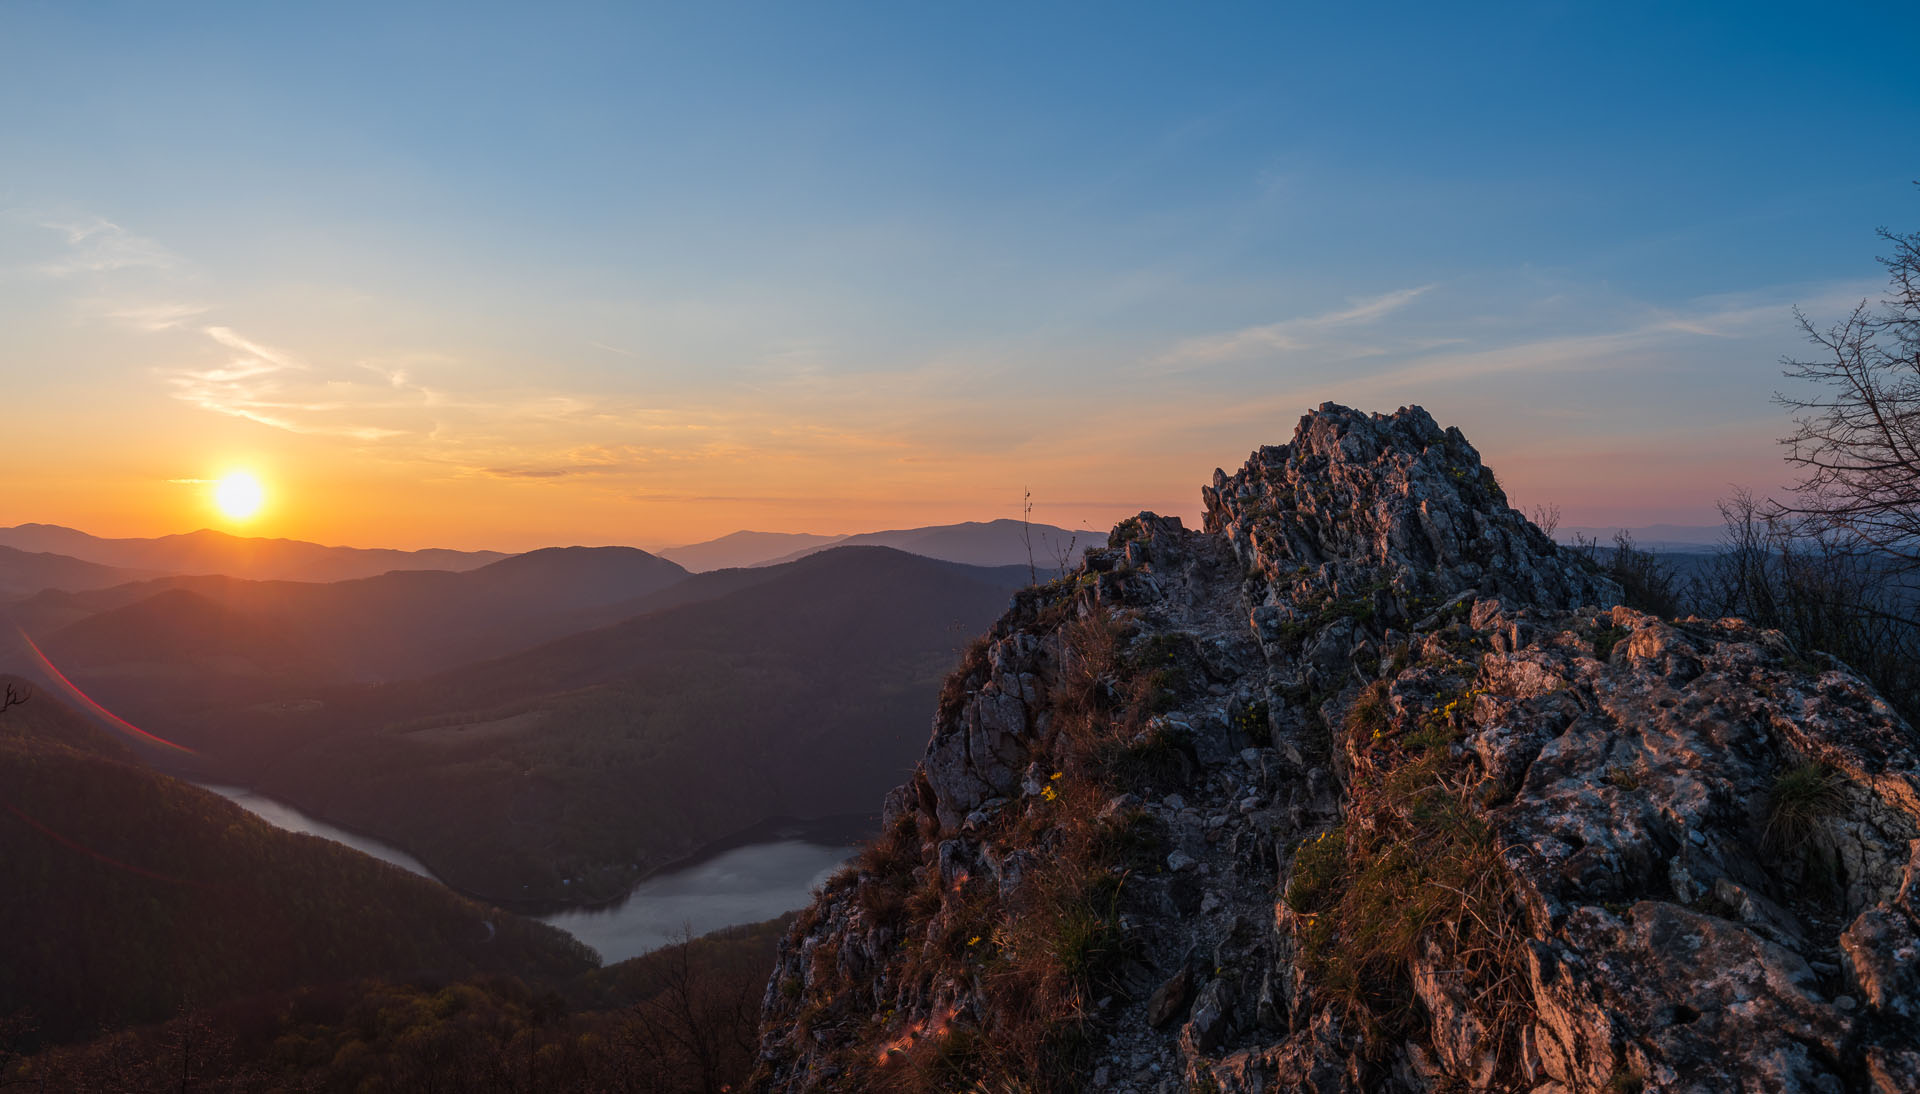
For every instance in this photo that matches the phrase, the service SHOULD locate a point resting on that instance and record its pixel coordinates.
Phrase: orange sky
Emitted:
(685, 273)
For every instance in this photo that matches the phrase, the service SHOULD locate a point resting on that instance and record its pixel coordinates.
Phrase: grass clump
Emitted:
(1370, 717)
(1800, 802)
(1416, 866)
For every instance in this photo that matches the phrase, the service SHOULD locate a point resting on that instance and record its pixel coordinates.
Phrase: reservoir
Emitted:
(282, 815)
(744, 884)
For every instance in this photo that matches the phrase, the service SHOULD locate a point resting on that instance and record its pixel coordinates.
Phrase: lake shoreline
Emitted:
(836, 835)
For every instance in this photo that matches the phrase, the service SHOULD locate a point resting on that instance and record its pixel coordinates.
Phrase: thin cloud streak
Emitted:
(99, 245)
(1288, 334)
(154, 318)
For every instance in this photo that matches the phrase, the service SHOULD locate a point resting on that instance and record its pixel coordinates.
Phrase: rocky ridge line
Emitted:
(1381, 791)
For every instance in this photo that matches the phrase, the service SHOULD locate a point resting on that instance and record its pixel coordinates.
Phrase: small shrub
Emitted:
(1605, 640)
(973, 662)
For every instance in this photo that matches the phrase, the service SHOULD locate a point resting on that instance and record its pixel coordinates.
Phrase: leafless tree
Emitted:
(700, 1024)
(1856, 442)
(1820, 591)
(1546, 518)
(14, 696)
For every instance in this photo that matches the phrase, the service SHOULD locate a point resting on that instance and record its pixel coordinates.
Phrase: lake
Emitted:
(282, 815)
(744, 884)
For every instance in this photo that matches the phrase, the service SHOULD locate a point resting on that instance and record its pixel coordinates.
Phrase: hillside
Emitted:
(677, 1021)
(1370, 787)
(148, 894)
(210, 552)
(24, 573)
(167, 651)
(44, 720)
(562, 773)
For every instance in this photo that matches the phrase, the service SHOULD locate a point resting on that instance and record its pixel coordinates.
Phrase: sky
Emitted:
(509, 276)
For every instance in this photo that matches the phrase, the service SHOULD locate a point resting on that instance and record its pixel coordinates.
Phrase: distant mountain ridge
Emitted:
(23, 573)
(743, 549)
(1003, 542)
(163, 644)
(209, 552)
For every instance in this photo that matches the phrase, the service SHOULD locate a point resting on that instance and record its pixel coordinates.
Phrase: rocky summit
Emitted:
(1367, 786)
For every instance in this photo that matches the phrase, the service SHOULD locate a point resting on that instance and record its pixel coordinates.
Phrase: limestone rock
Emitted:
(1363, 611)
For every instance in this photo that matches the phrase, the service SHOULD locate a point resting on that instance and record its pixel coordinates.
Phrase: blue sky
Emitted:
(648, 274)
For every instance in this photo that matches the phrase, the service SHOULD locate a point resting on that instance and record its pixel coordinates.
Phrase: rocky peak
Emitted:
(1368, 787)
(1361, 503)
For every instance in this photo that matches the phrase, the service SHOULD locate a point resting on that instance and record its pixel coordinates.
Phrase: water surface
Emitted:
(745, 884)
(281, 815)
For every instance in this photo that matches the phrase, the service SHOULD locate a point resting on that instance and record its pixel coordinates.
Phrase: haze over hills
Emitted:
(1659, 537)
(23, 573)
(210, 552)
(977, 543)
(743, 549)
(177, 642)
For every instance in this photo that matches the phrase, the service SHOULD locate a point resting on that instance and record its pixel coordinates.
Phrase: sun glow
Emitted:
(239, 495)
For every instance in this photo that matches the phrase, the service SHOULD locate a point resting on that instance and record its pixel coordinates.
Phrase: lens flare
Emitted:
(86, 700)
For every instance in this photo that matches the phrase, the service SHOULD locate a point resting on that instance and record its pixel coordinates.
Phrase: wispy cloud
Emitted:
(270, 386)
(98, 245)
(1304, 332)
(153, 317)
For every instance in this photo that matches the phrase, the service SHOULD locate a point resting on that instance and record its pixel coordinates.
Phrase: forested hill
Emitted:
(135, 894)
(564, 772)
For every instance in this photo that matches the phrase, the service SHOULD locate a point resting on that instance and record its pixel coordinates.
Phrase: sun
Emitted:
(239, 495)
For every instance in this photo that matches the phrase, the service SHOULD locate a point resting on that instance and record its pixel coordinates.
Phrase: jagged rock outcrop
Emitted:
(1368, 787)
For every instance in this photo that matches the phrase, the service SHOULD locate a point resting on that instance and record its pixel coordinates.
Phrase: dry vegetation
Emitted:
(679, 1021)
(1412, 876)
(1039, 956)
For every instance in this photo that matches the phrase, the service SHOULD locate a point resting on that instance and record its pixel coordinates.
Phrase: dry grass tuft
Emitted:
(1416, 870)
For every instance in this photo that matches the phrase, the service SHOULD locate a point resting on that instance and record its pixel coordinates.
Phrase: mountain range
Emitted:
(47, 556)
(978, 543)
(210, 552)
